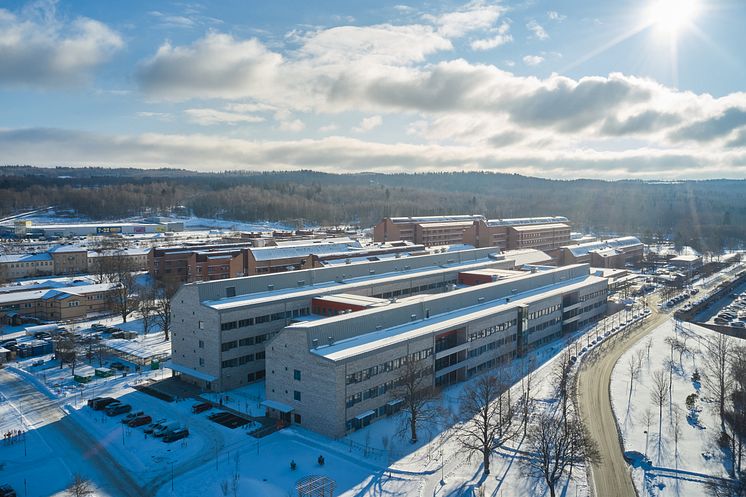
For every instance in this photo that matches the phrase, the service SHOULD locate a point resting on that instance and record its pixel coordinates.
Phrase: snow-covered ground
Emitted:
(193, 223)
(684, 453)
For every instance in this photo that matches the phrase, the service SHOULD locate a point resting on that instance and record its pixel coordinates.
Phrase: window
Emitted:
(201, 361)
(225, 347)
(297, 419)
(296, 395)
(296, 375)
(201, 344)
(200, 325)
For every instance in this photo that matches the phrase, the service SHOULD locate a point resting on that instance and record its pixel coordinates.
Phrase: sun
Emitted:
(671, 16)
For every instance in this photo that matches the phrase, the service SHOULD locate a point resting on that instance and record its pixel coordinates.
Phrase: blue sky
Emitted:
(603, 89)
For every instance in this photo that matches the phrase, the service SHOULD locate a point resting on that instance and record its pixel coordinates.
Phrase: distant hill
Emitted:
(706, 214)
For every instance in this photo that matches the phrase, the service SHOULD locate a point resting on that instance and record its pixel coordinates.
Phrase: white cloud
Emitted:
(209, 117)
(216, 66)
(537, 30)
(368, 124)
(474, 16)
(501, 38)
(43, 51)
(334, 154)
(555, 16)
(533, 60)
(293, 125)
(328, 128)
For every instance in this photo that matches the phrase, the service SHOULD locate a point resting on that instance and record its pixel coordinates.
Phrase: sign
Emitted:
(105, 230)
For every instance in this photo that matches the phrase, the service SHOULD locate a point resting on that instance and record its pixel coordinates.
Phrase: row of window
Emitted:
(593, 295)
(240, 361)
(387, 366)
(246, 342)
(266, 318)
(495, 361)
(415, 290)
(544, 312)
(491, 330)
(496, 344)
(543, 326)
(379, 390)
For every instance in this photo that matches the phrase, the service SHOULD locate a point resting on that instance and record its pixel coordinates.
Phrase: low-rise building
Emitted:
(339, 373)
(58, 304)
(612, 253)
(25, 266)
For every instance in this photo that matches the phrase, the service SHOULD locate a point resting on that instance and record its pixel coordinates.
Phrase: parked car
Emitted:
(98, 327)
(176, 435)
(100, 403)
(118, 409)
(7, 491)
(132, 415)
(202, 407)
(166, 428)
(155, 425)
(118, 366)
(140, 420)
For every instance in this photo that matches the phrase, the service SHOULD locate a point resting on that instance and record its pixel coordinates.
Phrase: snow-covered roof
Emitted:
(615, 243)
(200, 375)
(529, 227)
(54, 293)
(63, 249)
(8, 259)
(449, 224)
(437, 219)
(517, 221)
(375, 340)
(277, 406)
(294, 251)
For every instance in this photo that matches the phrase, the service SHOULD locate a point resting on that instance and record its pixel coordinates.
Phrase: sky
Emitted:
(622, 89)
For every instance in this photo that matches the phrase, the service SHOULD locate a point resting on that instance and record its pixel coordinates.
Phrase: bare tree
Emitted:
(527, 400)
(658, 394)
(487, 417)
(147, 306)
(735, 414)
(633, 370)
(166, 290)
(66, 349)
(415, 390)
(555, 446)
(562, 383)
(717, 378)
(79, 487)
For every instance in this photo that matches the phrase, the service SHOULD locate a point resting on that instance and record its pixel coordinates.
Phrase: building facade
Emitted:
(340, 373)
(220, 328)
(58, 304)
(612, 253)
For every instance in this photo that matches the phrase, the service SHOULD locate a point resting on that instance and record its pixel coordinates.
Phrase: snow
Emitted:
(227, 224)
(675, 469)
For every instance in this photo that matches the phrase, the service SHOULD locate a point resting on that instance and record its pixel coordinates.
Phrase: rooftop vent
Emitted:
(379, 327)
(413, 317)
(315, 343)
(301, 282)
(270, 287)
(330, 340)
(480, 299)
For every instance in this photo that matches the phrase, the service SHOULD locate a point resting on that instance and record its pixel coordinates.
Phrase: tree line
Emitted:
(704, 214)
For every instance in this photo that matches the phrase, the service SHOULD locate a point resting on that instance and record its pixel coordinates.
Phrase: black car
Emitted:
(118, 409)
(100, 403)
(176, 435)
(7, 491)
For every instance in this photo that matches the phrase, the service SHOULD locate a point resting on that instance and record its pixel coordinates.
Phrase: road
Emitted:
(611, 476)
(80, 452)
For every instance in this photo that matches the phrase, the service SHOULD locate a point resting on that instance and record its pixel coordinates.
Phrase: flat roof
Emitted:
(305, 250)
(436, 219)
(189, 371)
(311, 290)
(449, 224)
(686, 258)
(351, 347)
(9, 259)
(347, 298)
(539, 226)
(526, 220)
(586, 248)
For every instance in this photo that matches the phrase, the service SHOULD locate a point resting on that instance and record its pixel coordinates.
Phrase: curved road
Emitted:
(65, 437)
(611, 476)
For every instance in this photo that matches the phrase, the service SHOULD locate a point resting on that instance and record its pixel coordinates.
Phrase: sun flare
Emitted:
(671, 16)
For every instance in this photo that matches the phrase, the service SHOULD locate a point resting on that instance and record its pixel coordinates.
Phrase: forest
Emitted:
(704, 214)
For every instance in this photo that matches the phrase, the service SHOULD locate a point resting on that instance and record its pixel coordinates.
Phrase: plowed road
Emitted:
(611, 476)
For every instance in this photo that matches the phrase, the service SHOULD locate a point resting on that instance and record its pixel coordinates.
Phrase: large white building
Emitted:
(339, 373)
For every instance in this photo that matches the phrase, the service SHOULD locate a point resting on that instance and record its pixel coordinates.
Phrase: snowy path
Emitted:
(74, 449)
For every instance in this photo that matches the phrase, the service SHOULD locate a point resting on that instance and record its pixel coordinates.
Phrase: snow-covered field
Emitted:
(683, 454)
